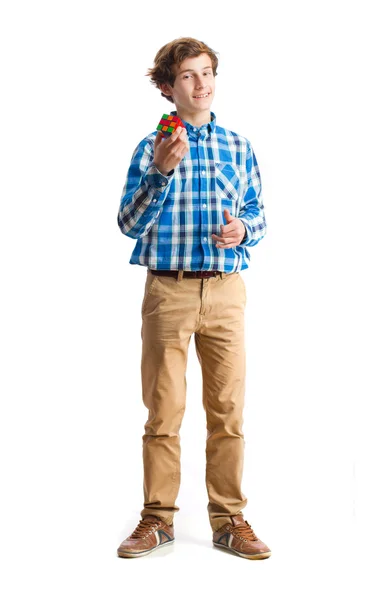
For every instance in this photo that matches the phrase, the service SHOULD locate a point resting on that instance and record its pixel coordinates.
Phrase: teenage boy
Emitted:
(193, 202)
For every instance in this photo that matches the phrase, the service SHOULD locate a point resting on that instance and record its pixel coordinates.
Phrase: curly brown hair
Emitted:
(174, 53)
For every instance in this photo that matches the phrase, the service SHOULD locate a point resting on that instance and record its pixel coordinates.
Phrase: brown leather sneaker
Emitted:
(238, 537)
(150, 534)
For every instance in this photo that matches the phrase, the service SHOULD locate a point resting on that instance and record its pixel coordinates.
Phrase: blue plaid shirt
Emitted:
(173, 217)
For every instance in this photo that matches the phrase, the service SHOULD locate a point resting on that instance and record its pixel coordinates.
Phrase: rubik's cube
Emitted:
(168, 124)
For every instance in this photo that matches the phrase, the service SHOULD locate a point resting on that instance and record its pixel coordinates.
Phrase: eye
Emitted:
(206, 73)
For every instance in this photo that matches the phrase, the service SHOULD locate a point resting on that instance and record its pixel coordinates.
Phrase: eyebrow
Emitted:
(192, 70)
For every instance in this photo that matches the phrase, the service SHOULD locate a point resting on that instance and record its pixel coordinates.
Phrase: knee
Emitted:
(165, 422)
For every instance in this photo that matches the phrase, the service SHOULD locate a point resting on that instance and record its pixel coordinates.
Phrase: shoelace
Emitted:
(142, 528)
(245, 531)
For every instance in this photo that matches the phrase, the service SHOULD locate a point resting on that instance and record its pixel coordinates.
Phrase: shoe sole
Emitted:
(250, 556)
(124, 554)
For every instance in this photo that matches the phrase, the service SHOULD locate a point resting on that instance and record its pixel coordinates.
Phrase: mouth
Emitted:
(202, 96)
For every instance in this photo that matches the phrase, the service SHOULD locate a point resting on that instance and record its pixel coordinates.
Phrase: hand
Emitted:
(169, 152)
(231, 234)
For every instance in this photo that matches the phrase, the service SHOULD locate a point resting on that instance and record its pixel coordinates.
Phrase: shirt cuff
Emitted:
(247, 234)
(156, 179)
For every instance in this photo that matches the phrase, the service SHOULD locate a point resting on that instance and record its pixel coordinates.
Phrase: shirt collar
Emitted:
(192, 131)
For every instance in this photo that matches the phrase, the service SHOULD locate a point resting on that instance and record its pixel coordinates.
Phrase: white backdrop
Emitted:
(308, 83)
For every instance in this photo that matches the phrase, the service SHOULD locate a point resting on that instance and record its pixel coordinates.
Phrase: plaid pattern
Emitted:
(173, 217)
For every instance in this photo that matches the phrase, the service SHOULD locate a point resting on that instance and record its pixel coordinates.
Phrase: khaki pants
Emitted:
(172, 310)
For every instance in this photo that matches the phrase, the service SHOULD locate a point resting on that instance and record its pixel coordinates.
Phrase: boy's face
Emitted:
(194, 77)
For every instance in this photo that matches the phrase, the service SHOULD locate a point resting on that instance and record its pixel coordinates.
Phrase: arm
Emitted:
(144, 193)
(252, 206)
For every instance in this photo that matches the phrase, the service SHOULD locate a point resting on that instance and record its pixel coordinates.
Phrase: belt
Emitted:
(192, 274)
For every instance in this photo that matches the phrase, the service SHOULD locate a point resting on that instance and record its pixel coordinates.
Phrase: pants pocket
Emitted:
(150, 284)
(243, 286)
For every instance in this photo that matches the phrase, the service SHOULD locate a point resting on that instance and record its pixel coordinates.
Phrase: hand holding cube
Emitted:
(171, 144)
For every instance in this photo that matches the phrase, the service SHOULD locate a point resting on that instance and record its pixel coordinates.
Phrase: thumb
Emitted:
(158, 139)
(227, 215)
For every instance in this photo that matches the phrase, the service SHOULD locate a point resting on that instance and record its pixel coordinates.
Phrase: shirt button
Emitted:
(203, 172)
(204, 205)
(154, 200)
(205, 239)
(195, 129)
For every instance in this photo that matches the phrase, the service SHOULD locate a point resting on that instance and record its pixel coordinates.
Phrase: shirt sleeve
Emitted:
(144, 193)
(252, 206)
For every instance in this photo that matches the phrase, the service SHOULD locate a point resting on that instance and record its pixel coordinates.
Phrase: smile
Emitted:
(202, 96)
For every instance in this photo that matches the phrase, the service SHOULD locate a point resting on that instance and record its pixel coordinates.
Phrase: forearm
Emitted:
(143, 195)
(252, 206)
(255, 227)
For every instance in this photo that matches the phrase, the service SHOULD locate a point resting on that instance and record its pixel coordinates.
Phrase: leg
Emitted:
(168, 322)
(221, 352)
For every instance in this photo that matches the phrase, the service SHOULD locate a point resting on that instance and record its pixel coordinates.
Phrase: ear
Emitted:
(166, 89)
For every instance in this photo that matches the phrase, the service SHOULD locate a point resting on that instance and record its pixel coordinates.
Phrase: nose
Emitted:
(199, 82)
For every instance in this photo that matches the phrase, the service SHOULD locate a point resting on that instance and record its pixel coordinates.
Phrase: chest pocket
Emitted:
(228, 186)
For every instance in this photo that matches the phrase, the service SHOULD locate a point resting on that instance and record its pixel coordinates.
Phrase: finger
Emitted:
(158, 138)
(226, 247)
(183, 137)
(231, 242)
(224, 240)
(226, 236)
(229, 228)
(175, 135)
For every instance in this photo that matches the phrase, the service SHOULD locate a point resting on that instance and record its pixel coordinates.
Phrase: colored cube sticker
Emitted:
(168, 124)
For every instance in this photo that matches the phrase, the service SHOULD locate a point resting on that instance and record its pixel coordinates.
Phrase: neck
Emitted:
(197, 119)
